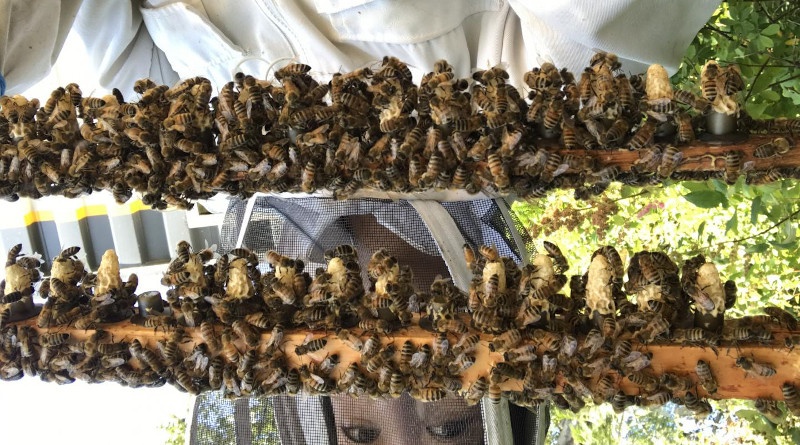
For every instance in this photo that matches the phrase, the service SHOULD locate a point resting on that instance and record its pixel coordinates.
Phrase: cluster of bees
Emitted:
(378, 130)
(227, 326)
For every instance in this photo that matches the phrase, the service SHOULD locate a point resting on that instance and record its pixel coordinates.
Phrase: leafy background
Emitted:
(750, 232)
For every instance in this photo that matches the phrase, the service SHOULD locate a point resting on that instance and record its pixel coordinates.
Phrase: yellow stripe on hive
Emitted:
(38, 216)
(91, 210)
(35, 216)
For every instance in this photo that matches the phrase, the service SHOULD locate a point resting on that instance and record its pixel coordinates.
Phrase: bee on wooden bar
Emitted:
(782, 316)
(754, 368)
(310, 345)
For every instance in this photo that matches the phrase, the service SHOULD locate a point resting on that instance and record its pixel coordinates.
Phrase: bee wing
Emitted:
(561, 169)
(212, 300)
(417, 359)
(527, 159)
(108, 298)
(317, 378)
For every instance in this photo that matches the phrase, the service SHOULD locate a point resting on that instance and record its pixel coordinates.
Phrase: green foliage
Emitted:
(176, 429)
(750, 232)
(264, 429)
(733, 421)
(763, 39)
(215, 421)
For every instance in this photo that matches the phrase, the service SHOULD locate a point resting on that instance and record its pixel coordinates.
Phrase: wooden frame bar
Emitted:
(667, 357)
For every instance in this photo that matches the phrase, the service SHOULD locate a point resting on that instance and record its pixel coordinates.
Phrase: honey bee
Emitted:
(605, 388)
(148, 357)
(685, 130)
(770, 410)
(292, 69)
(209, 335)
(53, 339)
(466, 344)
(754, 368)
(476, 391)
(675, 383)
(5, 315)
(163, 322)
(528, 315)
(553, 114)
(733, 81)
(776, 147)
(451, 325)
(782, 316)
(245, 331)
(792, 398)
(644, 380)
(643, 136)
(708, 80)
(310, 345)
(428, 394)
(688, 98)
(585, 85)
(505, 341)
(658, 399)
(494, 394)
(393, 63)
(619, 129)
(525, 353)
(733, 166)
(461, 363)
(560, 263)
(176, 279)
(621, 401)
(671, 158)
(700, 407)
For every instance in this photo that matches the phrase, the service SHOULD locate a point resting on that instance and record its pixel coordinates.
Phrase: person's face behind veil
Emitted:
(406, 421)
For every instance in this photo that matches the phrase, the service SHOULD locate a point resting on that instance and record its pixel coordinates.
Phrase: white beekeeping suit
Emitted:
(165, 39)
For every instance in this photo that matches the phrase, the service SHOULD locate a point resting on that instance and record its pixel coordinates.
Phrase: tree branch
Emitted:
(787, 12)
(766, 13)
(768, 229)
(725, 34)
(778, 82)
(752, 85)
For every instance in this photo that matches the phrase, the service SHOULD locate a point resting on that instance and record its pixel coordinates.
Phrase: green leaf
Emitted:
(771, 30)
(707, 199)
(695, 186)
(757, 248)
(733, 223)
(783, 246)
(701, 229)
(795, 433)
(748, 414)
(691, 51)
(756, 207)
(788, 231)
(770, 95)
(720, 186)
(764, 42)
(626, 191)
(756, 110)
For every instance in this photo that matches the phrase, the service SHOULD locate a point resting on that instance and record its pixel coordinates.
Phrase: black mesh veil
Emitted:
(306, 227)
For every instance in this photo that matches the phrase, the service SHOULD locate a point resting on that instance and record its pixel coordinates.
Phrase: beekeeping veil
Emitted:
(428, 236)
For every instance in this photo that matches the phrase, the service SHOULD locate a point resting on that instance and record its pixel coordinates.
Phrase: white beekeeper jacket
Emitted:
(166, 40)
